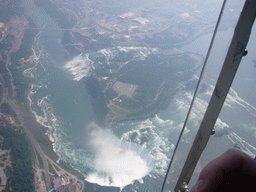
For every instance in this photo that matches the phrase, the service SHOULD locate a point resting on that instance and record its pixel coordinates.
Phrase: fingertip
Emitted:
(198, 187)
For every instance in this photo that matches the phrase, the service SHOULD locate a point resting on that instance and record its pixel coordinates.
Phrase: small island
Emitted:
(135, 82)
(137, 89)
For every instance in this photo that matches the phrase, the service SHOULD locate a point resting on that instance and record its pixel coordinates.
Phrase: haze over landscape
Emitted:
(98, 91)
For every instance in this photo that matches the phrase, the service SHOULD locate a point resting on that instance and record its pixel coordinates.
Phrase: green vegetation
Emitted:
(41, 164)
(56, 167)
(7, 80)
(21, 176)
(48, 150)
(7, 110)
(124, 56)
(149, 75)
(3, 69)
(69, 169)
(6, 42)
(25, 48)
(156, 78)
(8, 171)
(51, 169)
(64, 19)
(22, 83)
(43, 174)
(1, 93)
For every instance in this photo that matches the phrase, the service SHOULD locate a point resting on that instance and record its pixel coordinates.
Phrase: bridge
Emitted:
(47, 29)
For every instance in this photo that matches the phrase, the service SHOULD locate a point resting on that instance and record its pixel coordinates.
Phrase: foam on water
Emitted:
(150, 135)
(83, 65)
(80, 66)
(108, 53)
(233, 107)
(117, 162)
(145, 148)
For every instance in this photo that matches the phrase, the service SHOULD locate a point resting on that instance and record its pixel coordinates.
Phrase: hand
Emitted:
(232, 171)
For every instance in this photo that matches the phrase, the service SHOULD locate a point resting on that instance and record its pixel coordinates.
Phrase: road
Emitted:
(25, 122)
(28, 123)
(4, 90)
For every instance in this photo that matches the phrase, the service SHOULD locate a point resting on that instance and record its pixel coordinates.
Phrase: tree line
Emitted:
(21, 175)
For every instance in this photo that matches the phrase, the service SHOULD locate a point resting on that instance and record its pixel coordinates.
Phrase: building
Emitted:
(3, 179)
(141, 20)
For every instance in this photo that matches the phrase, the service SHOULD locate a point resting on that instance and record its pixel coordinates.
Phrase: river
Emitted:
(61, 104)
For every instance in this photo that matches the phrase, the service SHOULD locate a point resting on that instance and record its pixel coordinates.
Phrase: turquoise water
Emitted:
(62, 105)
(63, 98)
(51, 39)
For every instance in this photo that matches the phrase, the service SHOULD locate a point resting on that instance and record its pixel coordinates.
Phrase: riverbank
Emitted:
(141, 88)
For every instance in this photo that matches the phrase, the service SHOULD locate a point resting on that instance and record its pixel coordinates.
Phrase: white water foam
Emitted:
(115, 164)
(80, 66)
(150, 134)
(112, 161)
(233, 102)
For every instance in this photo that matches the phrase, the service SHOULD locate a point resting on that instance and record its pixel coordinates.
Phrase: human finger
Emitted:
(233, 163)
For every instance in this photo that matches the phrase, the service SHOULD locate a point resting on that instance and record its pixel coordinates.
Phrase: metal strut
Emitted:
(235, 53)
(194, 97)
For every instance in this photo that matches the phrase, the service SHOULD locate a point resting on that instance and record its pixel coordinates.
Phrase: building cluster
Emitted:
(177, 19)
(4, 155)
(62, 183)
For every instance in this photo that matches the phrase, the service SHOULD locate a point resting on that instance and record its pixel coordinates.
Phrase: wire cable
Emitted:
(196, 90)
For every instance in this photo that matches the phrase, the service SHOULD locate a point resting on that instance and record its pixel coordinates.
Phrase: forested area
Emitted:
(1, 92)
(6, 109)
(21, 175)
(22, 83)
(157, 79)
(148, 74)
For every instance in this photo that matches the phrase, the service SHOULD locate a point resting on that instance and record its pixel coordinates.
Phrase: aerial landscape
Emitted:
(93, 94)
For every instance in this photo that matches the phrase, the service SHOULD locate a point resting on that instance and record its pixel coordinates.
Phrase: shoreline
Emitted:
(39, 130)
(47, 133)
(127, 115)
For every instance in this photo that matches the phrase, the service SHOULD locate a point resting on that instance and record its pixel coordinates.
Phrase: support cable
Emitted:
(196, 90)
(235, 53)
